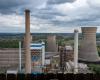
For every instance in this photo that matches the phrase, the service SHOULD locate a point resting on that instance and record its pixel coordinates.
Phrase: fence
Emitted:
(49, 76)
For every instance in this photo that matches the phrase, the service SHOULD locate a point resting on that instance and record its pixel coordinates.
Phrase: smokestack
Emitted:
(27, 42)
(88, 50)
(75, 51)
(51, 43)
(31, 37)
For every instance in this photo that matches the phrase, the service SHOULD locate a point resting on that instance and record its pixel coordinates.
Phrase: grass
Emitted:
(95, 68)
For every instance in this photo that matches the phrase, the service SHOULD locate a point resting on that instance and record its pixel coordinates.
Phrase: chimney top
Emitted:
(27, 10)
(76, 30)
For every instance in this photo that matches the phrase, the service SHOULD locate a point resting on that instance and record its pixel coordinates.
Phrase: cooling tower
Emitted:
(51, 43)
(88, 49)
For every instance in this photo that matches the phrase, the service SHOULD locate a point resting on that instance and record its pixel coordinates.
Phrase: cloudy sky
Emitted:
(61, 16)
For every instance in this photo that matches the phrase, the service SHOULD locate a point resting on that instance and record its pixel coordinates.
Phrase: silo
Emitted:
(88, 50)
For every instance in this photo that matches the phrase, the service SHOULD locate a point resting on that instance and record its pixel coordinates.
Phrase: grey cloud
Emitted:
(75, 23)
(94, 3)
(59, 1)
(11, 29)
(89, 19)
(9, 6)
(86, 17)
(47, 14)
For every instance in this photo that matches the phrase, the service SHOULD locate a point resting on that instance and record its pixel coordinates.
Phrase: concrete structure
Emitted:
(69, 53)
(24, 40)
(62, 58)
(51, 43)
(69, 47)
(75, 51)
(9, 58)
(82, 68)
(43, 54)
(88, 49)
(27, 42)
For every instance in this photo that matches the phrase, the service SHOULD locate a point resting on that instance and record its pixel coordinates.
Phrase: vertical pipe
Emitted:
(43, 53)
(27, 42)
(75, 51)
(19, 56)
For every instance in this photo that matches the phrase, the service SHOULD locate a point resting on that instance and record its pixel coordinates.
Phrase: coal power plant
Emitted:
(51, 53)
(88, 48)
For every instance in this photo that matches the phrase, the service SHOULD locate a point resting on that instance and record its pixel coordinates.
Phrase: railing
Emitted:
(49, 76)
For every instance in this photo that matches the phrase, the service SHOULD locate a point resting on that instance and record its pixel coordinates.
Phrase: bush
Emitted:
(95, 68)
(9, 44)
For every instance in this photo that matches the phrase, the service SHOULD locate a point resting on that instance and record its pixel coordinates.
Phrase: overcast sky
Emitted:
(62, 16)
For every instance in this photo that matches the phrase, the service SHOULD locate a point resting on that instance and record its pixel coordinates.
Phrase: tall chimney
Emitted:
(27, 42)
(88, 50)
(75, 51)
